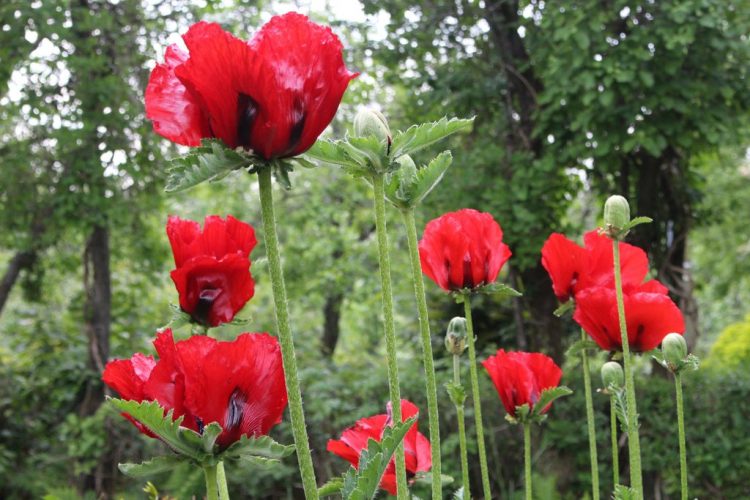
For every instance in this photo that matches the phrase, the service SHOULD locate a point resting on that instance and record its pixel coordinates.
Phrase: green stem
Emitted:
(390, 331)
(634, 446)
(221, 478)
(681, 431)
(289, 361)
(461, 430)
(427, 357)
(527, 458)
(615, 446)
(475, 397)
(212, 491)
(590, 421)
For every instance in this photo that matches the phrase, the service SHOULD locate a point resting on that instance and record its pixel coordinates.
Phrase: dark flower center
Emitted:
(205, 302)
(234, 410)
(247, 111)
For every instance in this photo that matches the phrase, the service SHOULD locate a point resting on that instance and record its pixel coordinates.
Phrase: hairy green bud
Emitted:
(612, 375)
(372, 122)
(616, 216)
(675, 351)
(455, 336)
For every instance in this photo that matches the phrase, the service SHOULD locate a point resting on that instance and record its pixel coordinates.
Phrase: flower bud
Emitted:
(455, 336)
(372, 122)
(674, 349)
(612, 375)
(616, 214)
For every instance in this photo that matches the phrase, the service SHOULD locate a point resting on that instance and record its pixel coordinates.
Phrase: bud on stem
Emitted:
(616, 217)
(612, 375)
(455, 336)
(370, 122)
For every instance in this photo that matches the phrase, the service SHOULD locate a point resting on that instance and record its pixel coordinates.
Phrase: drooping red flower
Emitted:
(274, 95)
(463, 249)
(238, 384)
(212, 272)
(573, 268)
(416, 446)
(650, 315)
(520, 377)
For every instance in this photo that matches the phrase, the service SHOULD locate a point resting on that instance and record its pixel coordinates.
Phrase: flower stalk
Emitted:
(221, 478)
(634, 447)
(475, 397)
(615, 446)
(427, 356)
(527, 458)
(681, 432)
(461, 430)
(378, 185)
(212, 489)
(590, 421)
(286, 341)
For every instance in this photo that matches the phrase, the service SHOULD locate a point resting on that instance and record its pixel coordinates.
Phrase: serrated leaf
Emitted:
(563, 308)
(151, 467)
(430, 176)
(579, 346)
(325, 151)
(636, 222)
(371, 153)
(363, 483)
(210, 434)
(456, 392)
(624, 493)
(546, 397)
(426, 478)
(498, 290)
(179, 318)
(211, 161)
(459, 494)
(421, 136)
(260, 447)
(332, 487)
(181, 439)
(407, 180)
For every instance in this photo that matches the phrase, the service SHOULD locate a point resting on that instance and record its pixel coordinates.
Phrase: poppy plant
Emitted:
(238, 384)
(651, 315)
(273, 95)
(212, 272)
(463, 250)
(416, 445)
(520, 378)
(573, 268)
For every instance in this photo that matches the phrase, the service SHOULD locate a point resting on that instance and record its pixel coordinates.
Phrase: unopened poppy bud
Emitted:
(612, 374)
(455, 337)
(674, 349)
(405, 161)
(372, 122)
(616, 213)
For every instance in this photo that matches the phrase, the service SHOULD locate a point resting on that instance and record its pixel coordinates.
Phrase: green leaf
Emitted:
(636, 222)
(430, 176)
(564, 308)
(260, 449)
(421, 136)
(151, 467)
(179, 318)
(211, 161)
(546, 397)
(181, 439)
(459, 494)
(499, 290)
(325, 151)
(371, 153)
(426, 478)
(456, 392)
(332, 487)
(363, 484)
(580, 345)
(210, 434)
(624, 493)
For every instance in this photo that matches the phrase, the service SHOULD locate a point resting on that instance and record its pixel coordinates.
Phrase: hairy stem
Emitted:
(427, 358)
(590, 421)
(390, 331)
(221, 478)
(527, 458)
(615, 446)
(288, 357)
(461, 430)
(212, 490)
(681, 432)
(476, 399)
(634, 446)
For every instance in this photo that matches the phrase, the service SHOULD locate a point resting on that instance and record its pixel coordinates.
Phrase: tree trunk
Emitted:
(331, 323)
(23, 259)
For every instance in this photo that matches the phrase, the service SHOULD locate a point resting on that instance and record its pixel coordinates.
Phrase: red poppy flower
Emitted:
(239, 384)
(650, 315)
(463, 249)
(274, 95)
(573, 268)
(416, 445)
(212, 272)
(520, 377)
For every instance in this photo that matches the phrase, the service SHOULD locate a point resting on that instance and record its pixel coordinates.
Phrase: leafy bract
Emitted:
(211, 161)
(421, 136)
